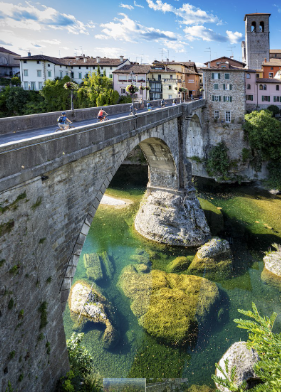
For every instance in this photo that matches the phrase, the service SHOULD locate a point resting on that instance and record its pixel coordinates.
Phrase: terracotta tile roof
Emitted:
(4, 50)
(274, 50)
(256, 13)
(266, 80)
(227, 58)
(272, 62)
(136, 68)
(81, 61)
(156, 69)
(184, 63)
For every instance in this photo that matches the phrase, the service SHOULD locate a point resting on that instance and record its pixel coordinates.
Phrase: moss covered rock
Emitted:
(98, 266)
(214, 216)
(170, 307)
(200, 388)
(86, 303)
(214, 260)
(271, 273)
(179, 264)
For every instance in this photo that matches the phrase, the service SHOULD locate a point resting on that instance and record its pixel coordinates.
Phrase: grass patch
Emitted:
(43, 314)
(14, 204)
(6, 227)
(37, 204)
(11, 304)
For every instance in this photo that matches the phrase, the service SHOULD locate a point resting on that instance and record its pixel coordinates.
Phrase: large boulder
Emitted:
(179, 264)
(244, 359)
(213, 259)
(87, 304)
(170, 307)
(172, 218)
(271, 273)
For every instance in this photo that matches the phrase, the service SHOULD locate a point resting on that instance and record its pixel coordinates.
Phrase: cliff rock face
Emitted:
(213, 259)
(170, 307)
(173, 219)
(244, 359)
(87, 304)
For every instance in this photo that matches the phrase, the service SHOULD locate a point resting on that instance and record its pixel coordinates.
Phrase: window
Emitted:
(253, 27)
(25, 72)
(25, 85)
(257, 76)
(24, 61)
(263, 87)
(216, 86)
(248, 87)
(101, 67)
(216, 75)
(249, 97)
(171, 76)
(110, 76)
(61, 75)
(277, 87)
(80, 75)
(72, 74)
(227, 86)
(49, 65)
(122, 78)
(38, 62)
(66, 73)
(93, 67)
(87, 67)
(227, 98)
(216, 114)
(261, 27)
(79, 67)
(40, 85)
(271, 68)
(110, 68)
(265, 98)
(39, 73)
(226, 76)
(276, 99)
(71, 67)
(248, 76)
(216, 98)
(123, 91)
(227, 117)
(32, 86)
(170, 87)
(49, 74)
(270, 75)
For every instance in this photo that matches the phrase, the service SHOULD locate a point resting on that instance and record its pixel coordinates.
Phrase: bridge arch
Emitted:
(161, 153)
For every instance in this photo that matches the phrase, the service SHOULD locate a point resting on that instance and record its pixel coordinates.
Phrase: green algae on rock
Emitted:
(87, 304)
(200, 388)
(271, 273)
(169, 307)
(213, 259)
(214, 216)
(179, 264)
(98, 266)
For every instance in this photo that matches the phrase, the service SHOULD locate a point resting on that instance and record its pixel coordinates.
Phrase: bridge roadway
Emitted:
(28, 134)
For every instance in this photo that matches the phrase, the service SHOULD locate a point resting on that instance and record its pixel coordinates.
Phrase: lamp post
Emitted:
(132, 81)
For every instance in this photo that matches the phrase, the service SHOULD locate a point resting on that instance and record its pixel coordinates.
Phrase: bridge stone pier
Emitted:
(50, 189)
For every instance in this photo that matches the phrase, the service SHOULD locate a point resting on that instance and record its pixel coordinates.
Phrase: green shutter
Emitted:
(262, 98)
(223, 86)
(219, 98)
(230, 99)
(230, 86)
(213, 98)
(213, 76)
(224, 99)
(219, 75)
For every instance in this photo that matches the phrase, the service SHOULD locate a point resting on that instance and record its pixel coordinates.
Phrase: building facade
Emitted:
(164, 82)
(255, 48)
(35, 70)
(271, 67)
(224, 90)
(262, 92)
(9, 63)
(132, 74)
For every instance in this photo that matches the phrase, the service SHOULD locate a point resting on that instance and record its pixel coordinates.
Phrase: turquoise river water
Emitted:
(252, 223)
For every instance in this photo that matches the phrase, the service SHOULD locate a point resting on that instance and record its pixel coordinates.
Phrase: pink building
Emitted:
(261, 92)
(132, 74)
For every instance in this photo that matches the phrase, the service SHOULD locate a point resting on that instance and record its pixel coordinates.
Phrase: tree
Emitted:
(13, 101)
(55, 96)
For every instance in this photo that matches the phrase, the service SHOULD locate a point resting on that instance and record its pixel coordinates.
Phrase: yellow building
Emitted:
(165, 82)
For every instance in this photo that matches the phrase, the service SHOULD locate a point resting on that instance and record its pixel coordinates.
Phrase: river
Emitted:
(252, 223)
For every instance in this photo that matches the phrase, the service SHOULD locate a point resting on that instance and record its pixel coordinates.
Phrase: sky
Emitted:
(141, 30)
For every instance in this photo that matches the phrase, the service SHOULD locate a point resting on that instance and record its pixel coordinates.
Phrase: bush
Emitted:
(217, 164)
(274, 109)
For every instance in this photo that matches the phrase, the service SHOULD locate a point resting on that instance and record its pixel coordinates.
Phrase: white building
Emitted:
(35, 70)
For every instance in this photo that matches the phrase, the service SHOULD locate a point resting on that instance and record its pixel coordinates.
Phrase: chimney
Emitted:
(98, 59)
(85, 59)
(265, 59)
(29, 54)
(209, 64)
(121, 58)
(83, 55)
(77, 57)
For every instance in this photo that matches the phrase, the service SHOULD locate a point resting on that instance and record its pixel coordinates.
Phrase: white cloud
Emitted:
(178, 46)
(234, 37)
(109, 52)
(125, 29)
(278, 6)
(51, 41)
(190, 15)
(201, 32)
(138, 5)
(129, 7)
(37, 18)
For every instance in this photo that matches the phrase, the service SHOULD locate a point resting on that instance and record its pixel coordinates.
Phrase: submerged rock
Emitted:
(244, 359)
(179, 264)
(98, 266)
(170, 307)
(87, 304)
(271, 273)
(172, 218)
(200, 388)
(213, 259)
(214, 216)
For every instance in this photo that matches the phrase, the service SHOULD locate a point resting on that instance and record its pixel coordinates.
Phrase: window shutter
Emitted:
(219, 75)
(213, 98)
(230, 99)
(262, 98)
(274, 99)
(230, 86)
(213, 76)
(224, 86)
(224, 99)
(219, 98)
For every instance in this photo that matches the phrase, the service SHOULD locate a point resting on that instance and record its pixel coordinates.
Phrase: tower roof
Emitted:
(256, 13)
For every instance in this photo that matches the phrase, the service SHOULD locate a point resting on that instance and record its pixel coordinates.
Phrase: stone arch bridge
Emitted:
(50, 188)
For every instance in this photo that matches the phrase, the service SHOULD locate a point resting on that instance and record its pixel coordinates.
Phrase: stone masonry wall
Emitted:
(44, 222)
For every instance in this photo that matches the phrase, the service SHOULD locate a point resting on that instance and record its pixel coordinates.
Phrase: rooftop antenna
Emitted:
(231, 50)
(81, 47)
(209, 50)
(59, 53)
(162, 53)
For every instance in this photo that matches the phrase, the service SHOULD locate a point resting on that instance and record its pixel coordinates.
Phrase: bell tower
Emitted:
(256, 47)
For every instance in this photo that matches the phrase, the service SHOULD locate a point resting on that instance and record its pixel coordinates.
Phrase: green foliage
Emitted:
(11, 355)
(37, 203)
(14, 269)
(15, 81)
(9, 387)
(274, 174)
(2, 262)
(268, 347)
(40, 337)
(125, 99)
(43, 314)
(264, 134)
(48, 347)
(229, 379)
(217, 164)
(274, 109)
(14, 204)
(56, 97)
(246, 154)
(11, 304)
(20, 377)
(196, 159)
(49, 279)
